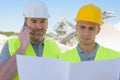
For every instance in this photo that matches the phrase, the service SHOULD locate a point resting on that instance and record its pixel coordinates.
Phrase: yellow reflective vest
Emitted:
(51, 50)
(102, 54)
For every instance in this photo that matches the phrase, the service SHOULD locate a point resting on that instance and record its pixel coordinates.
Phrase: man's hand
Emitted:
(24, 37)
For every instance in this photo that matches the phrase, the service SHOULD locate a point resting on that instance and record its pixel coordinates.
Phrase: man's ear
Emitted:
(76, 27)
(99, 29)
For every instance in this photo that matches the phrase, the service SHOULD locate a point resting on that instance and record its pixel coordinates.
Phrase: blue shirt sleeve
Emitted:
(5, 55)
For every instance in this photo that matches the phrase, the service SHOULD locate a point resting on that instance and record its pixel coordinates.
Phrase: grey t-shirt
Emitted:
(85, 56)
(5, 54)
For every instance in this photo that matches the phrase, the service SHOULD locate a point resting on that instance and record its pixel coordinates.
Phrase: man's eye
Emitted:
(91, 28)
(82, 27)
(33, 21)
(43, 21)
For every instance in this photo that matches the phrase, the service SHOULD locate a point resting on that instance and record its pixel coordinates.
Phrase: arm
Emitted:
(9, 68)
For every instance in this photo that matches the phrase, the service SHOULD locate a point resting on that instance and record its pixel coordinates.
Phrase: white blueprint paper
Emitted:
(36, 68)
(95, 70)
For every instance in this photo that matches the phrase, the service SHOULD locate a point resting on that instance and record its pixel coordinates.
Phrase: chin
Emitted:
(39, 38)
(36, 37)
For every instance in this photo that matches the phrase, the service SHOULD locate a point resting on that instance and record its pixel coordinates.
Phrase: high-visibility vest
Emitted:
(102, 54)
(51, 50)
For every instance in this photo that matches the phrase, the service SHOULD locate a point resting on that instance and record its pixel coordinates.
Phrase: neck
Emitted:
(89, 48)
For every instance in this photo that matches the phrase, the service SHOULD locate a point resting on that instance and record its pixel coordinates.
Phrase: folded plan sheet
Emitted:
(36, 68)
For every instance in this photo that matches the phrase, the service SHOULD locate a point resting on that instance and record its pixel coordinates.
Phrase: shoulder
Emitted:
(108, 49)
(13, 40)
(50, 42)
(13, 43)
(73, 50)
(69, 52)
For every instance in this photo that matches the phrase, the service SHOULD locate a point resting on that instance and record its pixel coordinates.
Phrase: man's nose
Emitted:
(87, 32)
(39, 26)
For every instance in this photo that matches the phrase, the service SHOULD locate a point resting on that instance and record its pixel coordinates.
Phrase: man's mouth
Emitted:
(85, 38)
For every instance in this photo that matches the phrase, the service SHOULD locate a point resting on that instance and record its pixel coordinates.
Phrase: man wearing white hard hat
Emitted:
(88, 22)
(30, 41)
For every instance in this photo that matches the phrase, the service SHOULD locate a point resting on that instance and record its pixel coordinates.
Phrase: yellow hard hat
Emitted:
(90, 13)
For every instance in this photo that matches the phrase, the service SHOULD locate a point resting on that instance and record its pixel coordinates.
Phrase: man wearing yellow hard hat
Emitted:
(88, 22)
(30, 41)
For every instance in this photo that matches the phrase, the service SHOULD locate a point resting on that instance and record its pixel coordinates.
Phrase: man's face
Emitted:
(87, 32)
(38, 28)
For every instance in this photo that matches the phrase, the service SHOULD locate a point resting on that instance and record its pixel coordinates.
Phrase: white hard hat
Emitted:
(36, 9)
